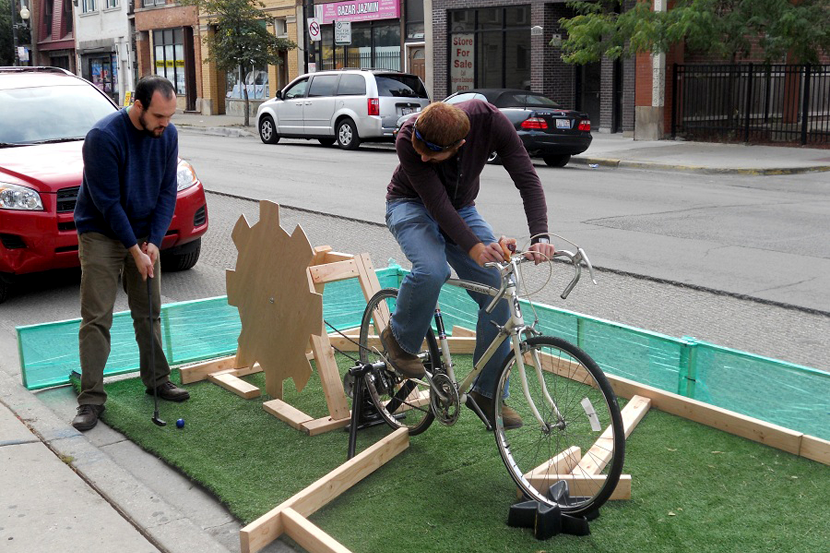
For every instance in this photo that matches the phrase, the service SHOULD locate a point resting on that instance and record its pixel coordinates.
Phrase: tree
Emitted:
(241, 41)
(799, 29)
(6, 48)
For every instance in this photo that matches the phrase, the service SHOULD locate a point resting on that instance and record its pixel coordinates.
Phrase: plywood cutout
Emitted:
(278, 307)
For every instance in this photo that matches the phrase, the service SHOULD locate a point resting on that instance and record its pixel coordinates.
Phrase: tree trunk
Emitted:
(245, 92)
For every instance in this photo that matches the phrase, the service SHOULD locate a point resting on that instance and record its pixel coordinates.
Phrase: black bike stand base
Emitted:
(364, 413)
(549, 520)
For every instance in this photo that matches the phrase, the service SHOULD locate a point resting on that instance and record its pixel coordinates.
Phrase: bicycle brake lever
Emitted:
(582, 256)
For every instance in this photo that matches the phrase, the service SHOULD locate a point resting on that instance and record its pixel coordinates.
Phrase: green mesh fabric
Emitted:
(789, 395)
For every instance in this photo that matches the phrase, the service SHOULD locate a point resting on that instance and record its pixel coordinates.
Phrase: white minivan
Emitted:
(347, 106)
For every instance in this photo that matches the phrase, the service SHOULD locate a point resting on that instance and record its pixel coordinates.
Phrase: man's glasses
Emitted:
(430, 145)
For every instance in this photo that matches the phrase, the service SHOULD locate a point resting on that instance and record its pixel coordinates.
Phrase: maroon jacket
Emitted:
(446, 187)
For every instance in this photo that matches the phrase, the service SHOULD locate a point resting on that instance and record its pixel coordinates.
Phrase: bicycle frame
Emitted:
(513, 329)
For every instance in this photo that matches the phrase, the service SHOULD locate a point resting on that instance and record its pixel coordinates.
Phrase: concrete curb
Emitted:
(162, 524)
(616, 163)
(218, 131)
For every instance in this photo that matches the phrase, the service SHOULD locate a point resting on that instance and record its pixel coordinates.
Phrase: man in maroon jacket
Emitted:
(430, 209)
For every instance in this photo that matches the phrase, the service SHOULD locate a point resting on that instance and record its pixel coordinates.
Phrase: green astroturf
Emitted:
(693, 488)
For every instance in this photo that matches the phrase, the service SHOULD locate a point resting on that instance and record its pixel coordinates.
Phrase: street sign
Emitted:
(342, 32)
(314, 29)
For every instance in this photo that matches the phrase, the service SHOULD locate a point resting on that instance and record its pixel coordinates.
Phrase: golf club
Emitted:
(156, 420)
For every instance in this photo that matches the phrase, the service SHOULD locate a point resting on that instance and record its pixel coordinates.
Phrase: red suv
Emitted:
(45, 114)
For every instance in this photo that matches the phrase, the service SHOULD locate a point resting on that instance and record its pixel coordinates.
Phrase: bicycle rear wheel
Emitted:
(580, 440)
(402, 402)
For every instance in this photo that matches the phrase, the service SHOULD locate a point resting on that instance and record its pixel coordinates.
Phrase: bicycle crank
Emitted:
(443, 399)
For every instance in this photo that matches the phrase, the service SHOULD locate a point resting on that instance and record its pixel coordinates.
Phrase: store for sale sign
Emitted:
(462, 62)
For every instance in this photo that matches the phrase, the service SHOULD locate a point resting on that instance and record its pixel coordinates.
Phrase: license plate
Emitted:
(407, 111)
(563, 123)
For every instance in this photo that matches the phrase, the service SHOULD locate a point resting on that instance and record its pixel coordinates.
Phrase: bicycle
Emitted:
(573, 428)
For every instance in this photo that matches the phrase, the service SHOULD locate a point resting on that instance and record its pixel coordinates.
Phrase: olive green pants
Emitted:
(103, 261)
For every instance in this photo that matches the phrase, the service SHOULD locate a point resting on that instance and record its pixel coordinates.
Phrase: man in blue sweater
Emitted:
(124, 209)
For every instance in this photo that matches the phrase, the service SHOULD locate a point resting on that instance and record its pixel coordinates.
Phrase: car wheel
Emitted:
(268, 130)
(494, 158)
(557, 161)
(181, 262)
(326, 141)
(347, 135)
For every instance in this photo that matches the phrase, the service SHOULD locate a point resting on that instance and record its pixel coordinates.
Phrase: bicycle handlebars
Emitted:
(576, 259)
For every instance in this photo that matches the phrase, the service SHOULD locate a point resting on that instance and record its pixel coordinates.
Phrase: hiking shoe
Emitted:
(170, 392)
(510, 418)
(87, 416)
(402, 361)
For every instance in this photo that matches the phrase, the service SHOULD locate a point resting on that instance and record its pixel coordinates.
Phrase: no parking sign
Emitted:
(314, 29)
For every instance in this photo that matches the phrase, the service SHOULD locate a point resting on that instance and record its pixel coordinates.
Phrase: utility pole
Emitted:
(14, 32)
(311, 51)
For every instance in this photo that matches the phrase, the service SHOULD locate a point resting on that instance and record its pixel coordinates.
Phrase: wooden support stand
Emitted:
(326, 266)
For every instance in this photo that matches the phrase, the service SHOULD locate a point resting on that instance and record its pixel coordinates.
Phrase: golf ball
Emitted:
(180, 423)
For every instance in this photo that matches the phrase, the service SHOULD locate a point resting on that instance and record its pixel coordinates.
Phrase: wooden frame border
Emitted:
(290, 516)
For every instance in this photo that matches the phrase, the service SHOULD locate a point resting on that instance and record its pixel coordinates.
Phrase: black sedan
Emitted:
(547, 130)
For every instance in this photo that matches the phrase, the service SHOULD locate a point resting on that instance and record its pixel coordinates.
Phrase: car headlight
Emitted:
(185, 175)
(13, 196)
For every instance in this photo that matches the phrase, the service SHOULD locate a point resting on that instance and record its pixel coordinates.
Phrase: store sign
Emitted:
(462, 62)
(359, 11)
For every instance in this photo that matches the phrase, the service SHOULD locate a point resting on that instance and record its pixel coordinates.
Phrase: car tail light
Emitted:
(373, 106)
(534, 123)
(584, 125)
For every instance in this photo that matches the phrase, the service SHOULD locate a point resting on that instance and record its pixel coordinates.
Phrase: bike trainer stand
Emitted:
(364, 413)
(549, 520)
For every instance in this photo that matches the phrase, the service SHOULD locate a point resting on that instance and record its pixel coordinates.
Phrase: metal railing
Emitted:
(364, 60)
(752, 103)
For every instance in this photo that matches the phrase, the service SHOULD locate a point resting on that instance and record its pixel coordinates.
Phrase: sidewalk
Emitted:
(96, 492)
(615, 150)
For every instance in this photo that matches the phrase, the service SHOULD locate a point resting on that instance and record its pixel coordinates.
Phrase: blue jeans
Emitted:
(431, 255)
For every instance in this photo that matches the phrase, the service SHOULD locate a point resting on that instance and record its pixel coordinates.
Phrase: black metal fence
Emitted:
(752, 103)
(364, 60)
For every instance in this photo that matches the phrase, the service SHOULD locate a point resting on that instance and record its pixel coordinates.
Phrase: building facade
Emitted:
(167, 44)
(53, 34)
(105, 54)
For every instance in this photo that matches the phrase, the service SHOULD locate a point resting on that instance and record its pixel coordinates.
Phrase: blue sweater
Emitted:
(129, 185)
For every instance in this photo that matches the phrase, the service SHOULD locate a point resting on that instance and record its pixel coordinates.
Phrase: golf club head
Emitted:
(157, 421)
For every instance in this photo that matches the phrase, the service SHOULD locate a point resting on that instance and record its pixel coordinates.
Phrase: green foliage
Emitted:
(724, 28)
(241, 39)
(6, 48)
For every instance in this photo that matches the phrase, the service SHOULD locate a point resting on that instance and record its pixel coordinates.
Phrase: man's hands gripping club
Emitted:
(145, 257)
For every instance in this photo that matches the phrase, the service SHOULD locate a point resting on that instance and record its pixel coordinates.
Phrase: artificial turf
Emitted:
(694, 488)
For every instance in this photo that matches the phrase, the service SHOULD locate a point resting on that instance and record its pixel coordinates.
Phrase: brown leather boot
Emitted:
(510, 416)
(402, 361)
(170, 392)
(87, 416)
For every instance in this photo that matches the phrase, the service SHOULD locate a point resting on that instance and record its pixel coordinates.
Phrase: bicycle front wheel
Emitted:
(402, 402)
(572, 428)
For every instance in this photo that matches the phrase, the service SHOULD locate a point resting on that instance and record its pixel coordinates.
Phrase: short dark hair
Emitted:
(148, 85)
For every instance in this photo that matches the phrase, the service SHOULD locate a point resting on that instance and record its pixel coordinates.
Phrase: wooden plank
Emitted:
(563, 463)
(815, 449)
(269, 526)
(318, 426)
(200, 371)
(235, 384)
(600, 454)
(286, 413)
(369, 283)
(308, 535)
(459, 345)
(460, 331)
(332, 272)
(334, 257)
(710, 415)
(328, 371)
(587, 485)
(320, 253)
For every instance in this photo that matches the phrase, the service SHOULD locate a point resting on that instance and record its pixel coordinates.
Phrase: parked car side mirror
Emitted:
(279, 95)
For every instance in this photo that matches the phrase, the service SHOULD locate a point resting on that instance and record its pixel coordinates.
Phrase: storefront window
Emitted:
(374, 45)
(169, 53)
(103, 73)
(489, 48)
(255, 81)
(415, 19)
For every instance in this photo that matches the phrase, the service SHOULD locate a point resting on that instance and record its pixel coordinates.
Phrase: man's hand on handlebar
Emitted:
(540, 252)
